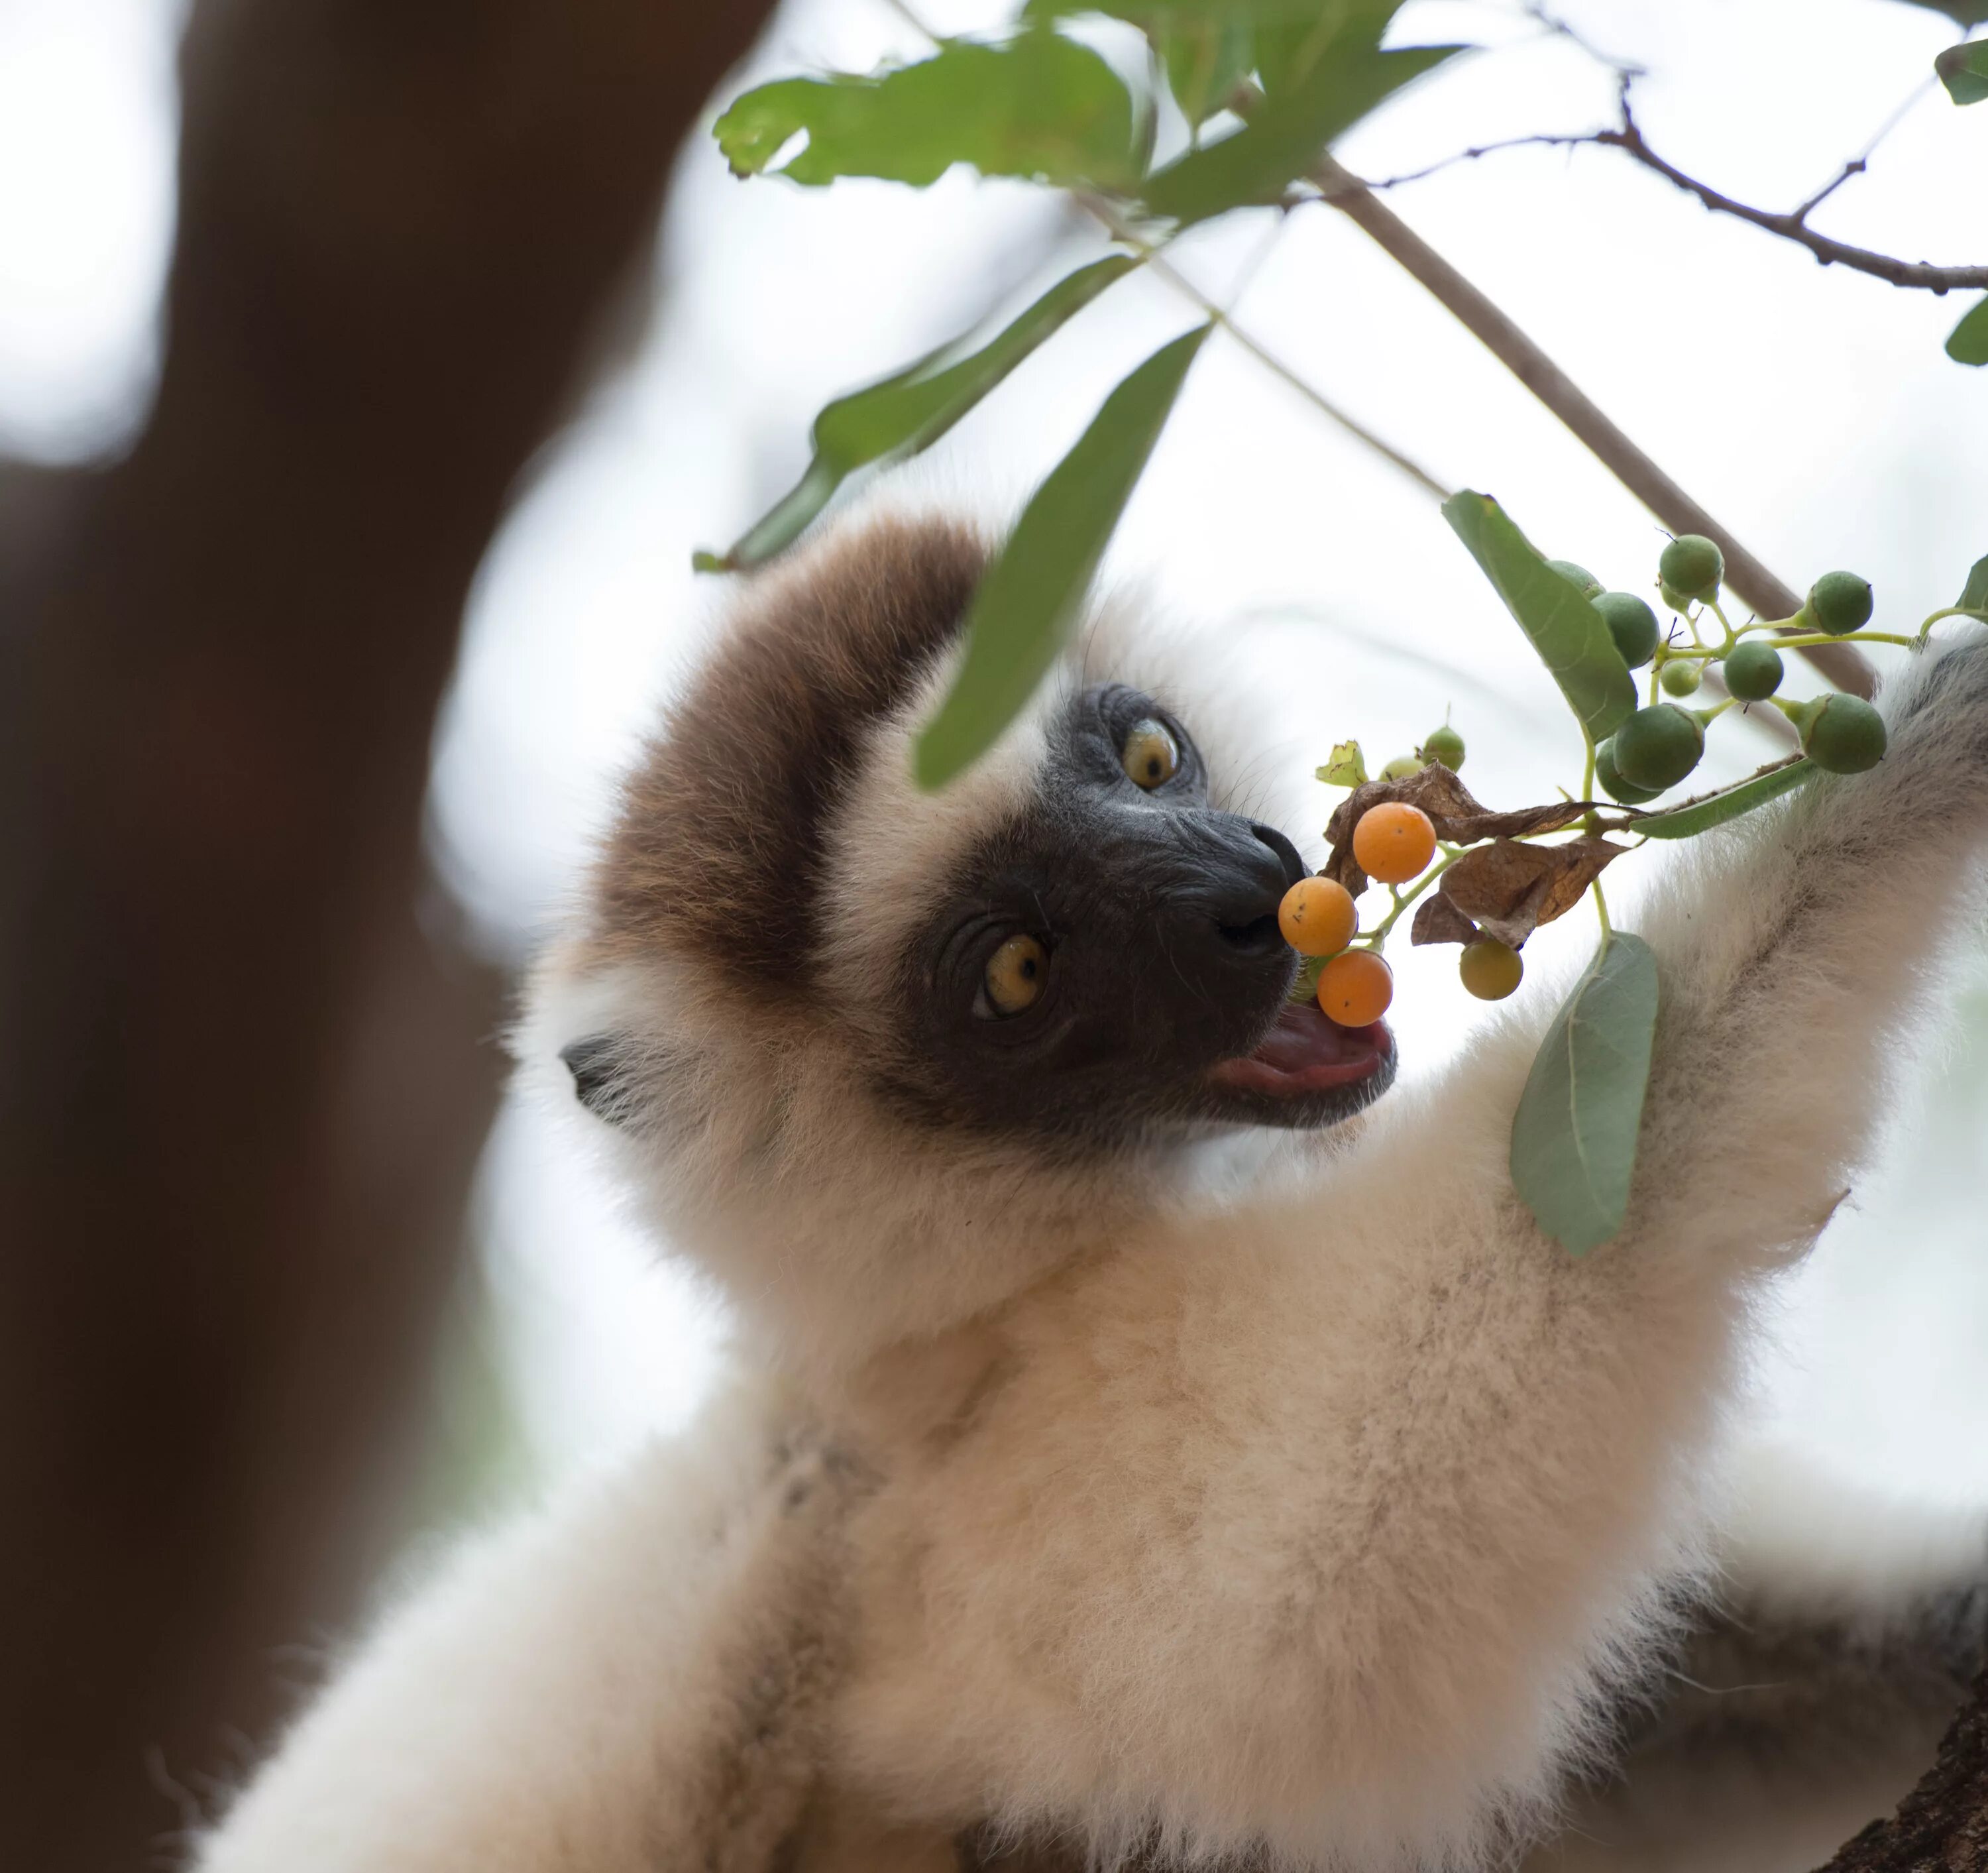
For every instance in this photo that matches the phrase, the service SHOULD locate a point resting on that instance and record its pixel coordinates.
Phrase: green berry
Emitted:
(1401, 768)
(1693, 565)
(1632, 623)
(1611, 780)
(1843, 735)
(1490, 969)
(1681, 678)
(1841, 602)
(1753, 670)
(1444, 745)
(1658, 746)
(1674, 600)
(1579, 576)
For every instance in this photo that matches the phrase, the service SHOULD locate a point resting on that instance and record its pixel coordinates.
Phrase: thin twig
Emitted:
(1157, 262)
(1746, 575)
(1792, 225)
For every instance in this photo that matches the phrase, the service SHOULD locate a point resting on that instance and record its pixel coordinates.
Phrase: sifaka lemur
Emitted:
(1148, 1444)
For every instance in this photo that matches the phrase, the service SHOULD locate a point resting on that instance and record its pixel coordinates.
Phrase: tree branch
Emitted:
(1745, 575)
(1793, 225)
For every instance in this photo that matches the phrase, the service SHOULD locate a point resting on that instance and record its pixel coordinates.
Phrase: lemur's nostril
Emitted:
(1287, 854)
(1260, 934)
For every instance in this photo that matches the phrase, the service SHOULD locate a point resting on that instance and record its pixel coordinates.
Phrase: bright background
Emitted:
(1813, 410)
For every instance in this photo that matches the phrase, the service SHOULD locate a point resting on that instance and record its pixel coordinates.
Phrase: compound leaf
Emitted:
(1031, 597)
(1574, 1140)
(1967, 343)
(1039, 106)
(909, 412)
(1963, 70)
(1568, 633)
(1701, 816)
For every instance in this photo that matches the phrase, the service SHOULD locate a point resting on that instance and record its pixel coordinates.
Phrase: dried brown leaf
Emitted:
(1510, 888)
(1459, 819)
(1439, 920)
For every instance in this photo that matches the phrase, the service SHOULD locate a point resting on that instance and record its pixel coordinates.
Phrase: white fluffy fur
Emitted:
(1313, 1517)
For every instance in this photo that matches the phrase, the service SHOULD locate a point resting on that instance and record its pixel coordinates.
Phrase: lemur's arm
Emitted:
(1330, 1522)
(634, 1683)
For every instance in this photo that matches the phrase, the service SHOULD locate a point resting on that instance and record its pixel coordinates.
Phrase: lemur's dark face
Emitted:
(1108, 960)
(1084, 953)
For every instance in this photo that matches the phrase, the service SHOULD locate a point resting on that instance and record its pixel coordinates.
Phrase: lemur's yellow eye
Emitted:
(1014, 975)
(1151, 756)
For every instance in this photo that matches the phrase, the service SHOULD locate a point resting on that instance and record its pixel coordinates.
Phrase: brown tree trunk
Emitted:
(241, 1085)
(1941, 1827)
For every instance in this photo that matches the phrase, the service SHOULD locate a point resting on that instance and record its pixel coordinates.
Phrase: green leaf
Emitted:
(1040, 106)
(1701, 816)
(1963, 70)
(1206, 60)
(1030, 598)
(1570, 635)
(1966, 13)
(1168, 14)
(1967, 343)
(1347, 767)
(1574, 1140)
(1974, 594)
(1288, 50)
(909, 413)
(1284, 139)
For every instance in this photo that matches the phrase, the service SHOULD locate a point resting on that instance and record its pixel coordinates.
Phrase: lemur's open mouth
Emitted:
(1307, 1053)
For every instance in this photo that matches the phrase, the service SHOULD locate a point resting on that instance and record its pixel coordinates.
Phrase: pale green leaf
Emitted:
(909, 412)
(1574, 1140)
(1031, 597)
(1347, 767)
(1702, 816)
(1039, 106)
(1570, 636)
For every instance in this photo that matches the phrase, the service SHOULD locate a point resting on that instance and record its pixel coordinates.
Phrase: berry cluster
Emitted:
(1487, 879)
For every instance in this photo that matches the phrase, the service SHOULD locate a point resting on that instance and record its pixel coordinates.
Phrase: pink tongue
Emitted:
(1307, 1052)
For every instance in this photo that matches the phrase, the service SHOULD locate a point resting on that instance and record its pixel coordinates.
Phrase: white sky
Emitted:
(1813, 410)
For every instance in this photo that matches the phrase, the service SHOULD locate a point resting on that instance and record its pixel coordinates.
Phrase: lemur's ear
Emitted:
(600, 1079)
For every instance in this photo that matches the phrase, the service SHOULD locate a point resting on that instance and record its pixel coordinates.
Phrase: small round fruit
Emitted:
(1753, 670)
(1318, 917)
(1403, 767)
(1444, 745)
(1674, 600)
(1632, 623)
(1841, 602)
(1584, 581)
(1845, 736)
(1014, 981)
(1355, 990)
(1393, 843)
(1491, 970)
(1693, 565)
(1681, 678)
(1658, 746)
(1612, 782)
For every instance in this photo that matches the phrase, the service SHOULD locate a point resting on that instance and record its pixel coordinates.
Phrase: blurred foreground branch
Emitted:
(241, 1089)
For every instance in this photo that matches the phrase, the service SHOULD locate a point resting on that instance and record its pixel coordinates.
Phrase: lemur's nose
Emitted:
(1258, 865)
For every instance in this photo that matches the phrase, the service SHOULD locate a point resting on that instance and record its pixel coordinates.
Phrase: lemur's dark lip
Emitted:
(1307, 1053)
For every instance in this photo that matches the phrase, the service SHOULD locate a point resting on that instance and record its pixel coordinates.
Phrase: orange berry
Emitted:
(1318, 917)
(1355, 989)
(1394, 841)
